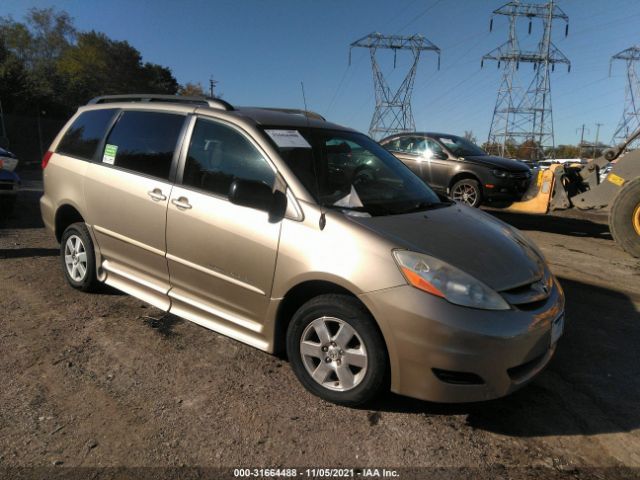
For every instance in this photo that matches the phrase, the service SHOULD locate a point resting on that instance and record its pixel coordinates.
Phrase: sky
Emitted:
(261, 50)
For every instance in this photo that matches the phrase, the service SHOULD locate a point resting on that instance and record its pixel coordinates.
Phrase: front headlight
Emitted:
(500, 173)
(443, 280)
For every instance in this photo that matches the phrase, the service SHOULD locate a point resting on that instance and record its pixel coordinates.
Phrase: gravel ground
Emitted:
(104, 380)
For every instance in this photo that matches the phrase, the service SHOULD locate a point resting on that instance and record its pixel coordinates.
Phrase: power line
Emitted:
(419, 16)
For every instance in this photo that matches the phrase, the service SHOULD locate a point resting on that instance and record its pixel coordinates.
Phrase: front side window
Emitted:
(144, 142)
(433, 148)
(406, 144)
(461, 147)
(218, 155)
(85, 134)
(349, 171)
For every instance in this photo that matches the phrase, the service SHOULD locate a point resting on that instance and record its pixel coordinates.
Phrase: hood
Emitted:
(498, 162)
(469, 239)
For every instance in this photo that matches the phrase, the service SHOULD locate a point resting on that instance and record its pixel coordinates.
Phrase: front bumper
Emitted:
(9, 183)
(505, 188)
(426, 336)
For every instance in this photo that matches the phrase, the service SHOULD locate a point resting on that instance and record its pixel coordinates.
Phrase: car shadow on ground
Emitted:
(28, 252)
(592, 385)
(574, 227)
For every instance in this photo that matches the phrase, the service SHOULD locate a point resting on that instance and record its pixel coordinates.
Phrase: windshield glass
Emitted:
(350, 171)
(461, 147)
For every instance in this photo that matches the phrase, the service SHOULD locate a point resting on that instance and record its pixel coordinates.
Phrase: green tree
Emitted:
(14, 79)
(38, 43)
(468, 135)
(97, 65)
(191, 89)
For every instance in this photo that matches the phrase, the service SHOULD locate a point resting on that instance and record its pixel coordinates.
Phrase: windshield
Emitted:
(351, 172)
(461, 147)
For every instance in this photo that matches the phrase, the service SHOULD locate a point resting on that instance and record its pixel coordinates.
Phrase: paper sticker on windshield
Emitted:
(288, 138)
(109, 156)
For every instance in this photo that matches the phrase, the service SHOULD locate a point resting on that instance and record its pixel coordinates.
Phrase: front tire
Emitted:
(78, 258)
(336, 350)
(467, 191)
(624, 219)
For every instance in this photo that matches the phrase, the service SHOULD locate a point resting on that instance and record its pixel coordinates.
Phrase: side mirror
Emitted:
(439, 155)
(257, 195)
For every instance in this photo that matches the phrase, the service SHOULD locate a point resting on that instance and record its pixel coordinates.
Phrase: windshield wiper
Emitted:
(339, 207)
(423, 206)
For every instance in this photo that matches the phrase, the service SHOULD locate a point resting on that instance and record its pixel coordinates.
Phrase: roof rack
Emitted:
(145, 97)
(295, 111)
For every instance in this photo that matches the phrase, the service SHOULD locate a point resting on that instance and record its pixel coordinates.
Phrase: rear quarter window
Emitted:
(85, 134)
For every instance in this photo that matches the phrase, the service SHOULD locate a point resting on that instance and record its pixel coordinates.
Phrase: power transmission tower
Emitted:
(630, 119)
(525, 117)
(393, 108)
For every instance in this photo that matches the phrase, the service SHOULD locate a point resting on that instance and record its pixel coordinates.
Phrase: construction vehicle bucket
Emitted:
(537, 197)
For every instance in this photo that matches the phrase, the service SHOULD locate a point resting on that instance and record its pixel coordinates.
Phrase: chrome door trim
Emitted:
(126, 239)
(215, 273)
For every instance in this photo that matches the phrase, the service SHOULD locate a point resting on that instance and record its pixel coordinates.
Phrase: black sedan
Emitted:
(455, 167)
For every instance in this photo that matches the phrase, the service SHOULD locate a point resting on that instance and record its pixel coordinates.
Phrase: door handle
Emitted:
(182, 203)
(157, 195)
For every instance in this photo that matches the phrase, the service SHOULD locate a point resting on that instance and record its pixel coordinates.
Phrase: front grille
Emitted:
(521, 175)
(6, 186)
(530, 296)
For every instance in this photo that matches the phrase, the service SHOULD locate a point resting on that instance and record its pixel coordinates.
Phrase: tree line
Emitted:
(48, 68)
(46, 63)
(530, 150)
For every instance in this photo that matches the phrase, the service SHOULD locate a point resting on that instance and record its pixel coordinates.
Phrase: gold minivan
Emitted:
(294, 235)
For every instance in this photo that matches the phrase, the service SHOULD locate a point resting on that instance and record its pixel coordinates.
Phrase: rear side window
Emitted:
(218, 155)
(84, 135)
(144, 142)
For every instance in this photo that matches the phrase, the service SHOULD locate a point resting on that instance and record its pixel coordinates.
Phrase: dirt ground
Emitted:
(103, 380)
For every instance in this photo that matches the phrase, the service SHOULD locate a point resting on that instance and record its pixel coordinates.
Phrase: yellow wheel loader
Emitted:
(580, 186)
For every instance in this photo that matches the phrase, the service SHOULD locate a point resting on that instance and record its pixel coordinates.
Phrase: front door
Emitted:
(127, 194)
(221, 256)
(441, 167)
(411, 151)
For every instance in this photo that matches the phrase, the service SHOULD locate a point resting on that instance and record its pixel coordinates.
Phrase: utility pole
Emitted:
(393, 109)
(630, 120)
(520, 116)
(212, 85)
(595, 145)
(582, 129)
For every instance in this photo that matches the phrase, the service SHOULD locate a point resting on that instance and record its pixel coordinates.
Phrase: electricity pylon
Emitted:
(630, 116)
(520, 116)
(393, 108)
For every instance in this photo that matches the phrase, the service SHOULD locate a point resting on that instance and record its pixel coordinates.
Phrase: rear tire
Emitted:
(624, 218)
(337, 351)
(78, 258)
(467, 191)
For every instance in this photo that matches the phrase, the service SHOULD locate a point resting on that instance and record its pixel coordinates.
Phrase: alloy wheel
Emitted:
(333, 354)
(75, 258)
(465, 194)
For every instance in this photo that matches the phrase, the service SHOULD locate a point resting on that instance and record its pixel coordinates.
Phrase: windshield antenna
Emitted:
(323, 220)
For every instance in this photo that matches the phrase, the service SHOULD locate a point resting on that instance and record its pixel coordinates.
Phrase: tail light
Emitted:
(46, 158)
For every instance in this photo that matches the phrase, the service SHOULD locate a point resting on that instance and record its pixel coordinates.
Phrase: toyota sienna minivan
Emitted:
(286, 232)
